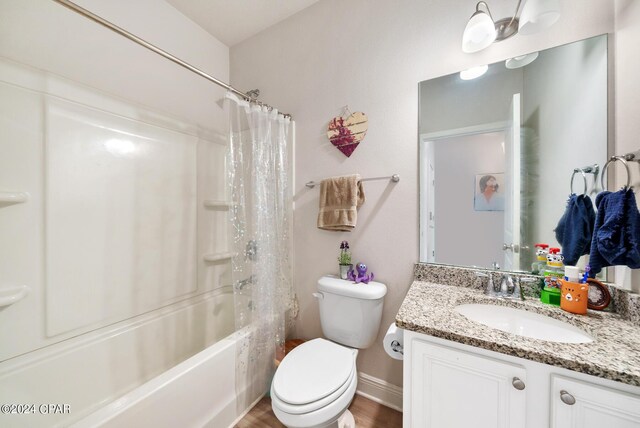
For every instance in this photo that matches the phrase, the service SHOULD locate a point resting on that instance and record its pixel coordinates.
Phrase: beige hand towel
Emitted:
(340, 198)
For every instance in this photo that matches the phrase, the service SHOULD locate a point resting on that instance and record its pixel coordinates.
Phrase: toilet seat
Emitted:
(295, 409)
(322, 417)
(313, 375)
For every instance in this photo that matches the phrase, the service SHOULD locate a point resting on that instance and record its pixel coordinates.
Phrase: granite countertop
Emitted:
(614, 353)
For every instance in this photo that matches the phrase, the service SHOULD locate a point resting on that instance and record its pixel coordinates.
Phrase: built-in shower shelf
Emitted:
(11, 295)
(10, 198)
(216, 257)
(216, 205)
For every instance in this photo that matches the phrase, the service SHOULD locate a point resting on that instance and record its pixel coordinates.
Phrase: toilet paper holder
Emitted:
(397, 347)
(393, 342)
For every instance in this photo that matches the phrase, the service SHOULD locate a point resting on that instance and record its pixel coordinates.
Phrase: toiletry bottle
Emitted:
(540, 264)
(553, 274)
(572, 274)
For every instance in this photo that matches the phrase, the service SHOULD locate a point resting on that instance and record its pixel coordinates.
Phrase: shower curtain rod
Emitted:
(111, 26)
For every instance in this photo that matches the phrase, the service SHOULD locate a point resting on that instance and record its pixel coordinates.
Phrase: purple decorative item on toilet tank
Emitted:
(360, 274)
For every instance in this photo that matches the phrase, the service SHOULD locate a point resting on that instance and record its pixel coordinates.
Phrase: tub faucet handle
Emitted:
(251, 250)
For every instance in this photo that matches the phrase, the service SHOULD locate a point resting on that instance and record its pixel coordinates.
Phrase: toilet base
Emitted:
(346, 420)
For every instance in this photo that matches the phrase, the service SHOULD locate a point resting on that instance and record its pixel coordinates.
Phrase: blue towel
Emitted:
(575, 228)
(616, 239)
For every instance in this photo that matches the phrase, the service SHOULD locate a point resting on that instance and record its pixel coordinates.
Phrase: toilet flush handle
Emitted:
(318, 296)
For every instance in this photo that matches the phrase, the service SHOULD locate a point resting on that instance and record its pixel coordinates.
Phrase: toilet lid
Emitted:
(313, 371)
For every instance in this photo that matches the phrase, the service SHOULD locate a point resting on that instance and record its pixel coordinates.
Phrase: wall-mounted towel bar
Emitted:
(625, 159)
(633, 156)
(589, 169)
(395, 178)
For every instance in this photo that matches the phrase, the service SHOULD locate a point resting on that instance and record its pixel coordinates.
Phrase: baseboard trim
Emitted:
(380, 391)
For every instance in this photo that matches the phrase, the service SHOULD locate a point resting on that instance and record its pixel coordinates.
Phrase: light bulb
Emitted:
(538, 15)
(479, 33)
(521, 61)
(474, 72)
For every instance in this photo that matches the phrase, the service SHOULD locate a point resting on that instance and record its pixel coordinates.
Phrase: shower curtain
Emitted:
(260, 218)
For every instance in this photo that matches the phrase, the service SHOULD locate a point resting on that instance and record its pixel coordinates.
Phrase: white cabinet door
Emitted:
(455, 389)
(595, 406)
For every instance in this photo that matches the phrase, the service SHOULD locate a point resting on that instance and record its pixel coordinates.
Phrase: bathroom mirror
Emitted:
(498, 152)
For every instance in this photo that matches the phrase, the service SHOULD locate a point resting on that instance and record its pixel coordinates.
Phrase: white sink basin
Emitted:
(524, 323)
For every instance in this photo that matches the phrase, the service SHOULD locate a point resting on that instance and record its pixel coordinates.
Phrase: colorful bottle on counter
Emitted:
(538, 266)
(553, 275)
(572, 274)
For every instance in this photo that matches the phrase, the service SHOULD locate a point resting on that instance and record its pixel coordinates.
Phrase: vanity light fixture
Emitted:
(474, 72)
(521, 61)
(481, 30)
(538, 15)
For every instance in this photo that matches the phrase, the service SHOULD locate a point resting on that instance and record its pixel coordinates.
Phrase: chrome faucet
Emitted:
(510, 285)
(490, 289)
(510, 288)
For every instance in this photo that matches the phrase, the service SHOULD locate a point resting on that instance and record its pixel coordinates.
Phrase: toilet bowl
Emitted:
(314, 386)
(316, 381)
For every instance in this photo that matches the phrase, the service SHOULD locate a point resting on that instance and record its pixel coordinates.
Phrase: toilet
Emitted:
(316, 381)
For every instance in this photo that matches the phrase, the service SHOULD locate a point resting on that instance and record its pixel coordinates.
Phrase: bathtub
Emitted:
(151, 371)
(199, 392)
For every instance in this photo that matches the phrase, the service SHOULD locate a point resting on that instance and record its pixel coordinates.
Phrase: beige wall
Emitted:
(371, 55)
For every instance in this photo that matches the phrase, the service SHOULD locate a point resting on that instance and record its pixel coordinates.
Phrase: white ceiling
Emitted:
(232, 21)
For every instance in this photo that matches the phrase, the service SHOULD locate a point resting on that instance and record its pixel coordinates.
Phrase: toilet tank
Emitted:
(350, 313)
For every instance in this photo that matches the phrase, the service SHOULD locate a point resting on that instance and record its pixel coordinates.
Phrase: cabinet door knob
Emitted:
(517, 383)
(567, 398)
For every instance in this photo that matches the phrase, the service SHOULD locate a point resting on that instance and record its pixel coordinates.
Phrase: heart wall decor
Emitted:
(346, 133)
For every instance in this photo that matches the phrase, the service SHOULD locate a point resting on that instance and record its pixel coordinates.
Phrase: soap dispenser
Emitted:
(553, 275)
(540, 264)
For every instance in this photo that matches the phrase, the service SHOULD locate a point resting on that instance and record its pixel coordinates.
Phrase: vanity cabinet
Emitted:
(458, 389)
(585, 405)
(448, 384)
